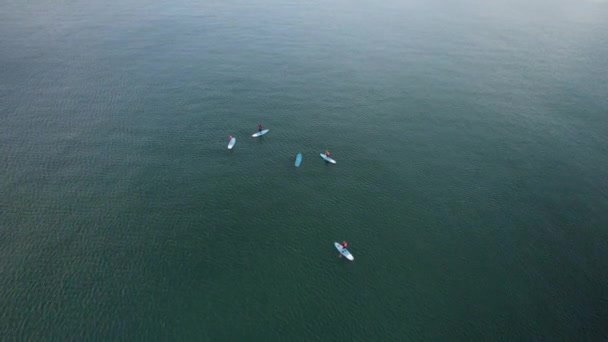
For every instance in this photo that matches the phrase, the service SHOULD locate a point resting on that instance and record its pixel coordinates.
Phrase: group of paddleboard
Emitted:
(298, 161)
(261, 131)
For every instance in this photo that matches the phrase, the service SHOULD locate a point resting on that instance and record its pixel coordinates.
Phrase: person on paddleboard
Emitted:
(344, 245)
(260, 127)
(229, 137)
(327, 153)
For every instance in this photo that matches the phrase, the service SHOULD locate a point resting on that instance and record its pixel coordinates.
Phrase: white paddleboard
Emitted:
(260, 133)
(231, 143)
(327, 158)
(344, 251)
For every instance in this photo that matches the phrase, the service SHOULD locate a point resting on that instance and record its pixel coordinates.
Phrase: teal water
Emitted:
(471, 142)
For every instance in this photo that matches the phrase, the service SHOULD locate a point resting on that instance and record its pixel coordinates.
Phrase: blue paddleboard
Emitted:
(298, 159)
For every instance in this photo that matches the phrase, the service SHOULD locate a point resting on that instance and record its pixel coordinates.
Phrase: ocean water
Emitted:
(471, 182)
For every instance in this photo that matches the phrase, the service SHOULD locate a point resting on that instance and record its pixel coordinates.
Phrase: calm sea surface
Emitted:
(471, 140)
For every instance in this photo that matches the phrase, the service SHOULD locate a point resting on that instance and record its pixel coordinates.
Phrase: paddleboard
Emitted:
(327, 158)
(344, 251)
(260, 133)
(298, 159)
(231, 143)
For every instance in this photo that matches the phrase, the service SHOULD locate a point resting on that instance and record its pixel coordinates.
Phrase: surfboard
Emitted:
(231, 143)
(344, 251)
(260, 133)
(298, 160)
(326, 158)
